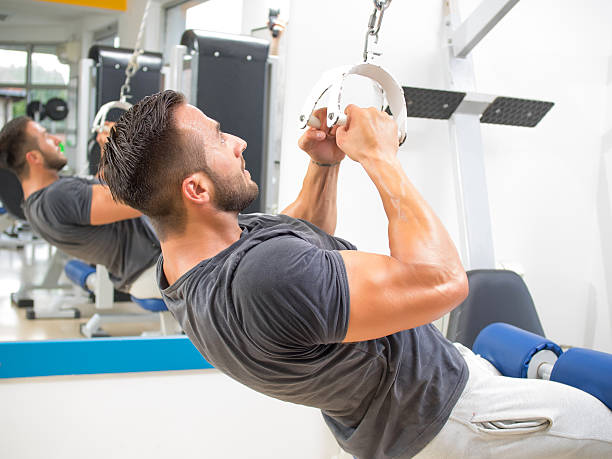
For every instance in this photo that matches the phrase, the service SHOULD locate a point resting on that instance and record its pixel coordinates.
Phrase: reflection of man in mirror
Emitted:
(78, 215)
(281, 305)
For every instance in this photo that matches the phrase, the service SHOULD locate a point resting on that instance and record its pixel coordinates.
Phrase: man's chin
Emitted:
(252, 197)
(56, 165)
(237, 203)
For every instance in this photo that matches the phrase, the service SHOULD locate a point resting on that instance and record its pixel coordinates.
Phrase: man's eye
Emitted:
(222, 138)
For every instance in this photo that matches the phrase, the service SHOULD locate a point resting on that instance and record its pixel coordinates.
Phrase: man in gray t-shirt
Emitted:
(278, 302)
(281, 305)
(77, 215)
(284, 286)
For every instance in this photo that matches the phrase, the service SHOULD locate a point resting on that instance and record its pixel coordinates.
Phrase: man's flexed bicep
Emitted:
(388, 296)
(105, 210)
(423, 278)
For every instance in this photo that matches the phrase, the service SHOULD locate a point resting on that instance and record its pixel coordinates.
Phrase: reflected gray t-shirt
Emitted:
(271, 311)
(60, 214)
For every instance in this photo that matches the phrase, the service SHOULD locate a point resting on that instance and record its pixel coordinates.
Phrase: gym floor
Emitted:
(28, 263)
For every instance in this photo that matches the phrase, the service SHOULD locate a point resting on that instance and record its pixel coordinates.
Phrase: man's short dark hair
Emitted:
(14, 144)
(146, 159)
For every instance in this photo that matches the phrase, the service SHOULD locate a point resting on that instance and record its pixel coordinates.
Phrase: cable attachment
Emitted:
(99, 123)
(132, 66)
(374, 24)
(130, 70)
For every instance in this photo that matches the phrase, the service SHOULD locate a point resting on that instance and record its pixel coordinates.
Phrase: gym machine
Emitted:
(85, 277)
(234, 80)
(521, 354)
(55, 108)
(101, 79)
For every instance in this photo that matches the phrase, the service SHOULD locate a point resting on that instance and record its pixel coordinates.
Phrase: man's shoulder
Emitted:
(277, 246)
(262, 220)
(276, 260)
(62, 201)
(64, 187)
(74, 182)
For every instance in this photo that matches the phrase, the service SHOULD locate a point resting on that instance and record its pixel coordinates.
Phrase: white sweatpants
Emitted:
(500, 417)
(146, 284)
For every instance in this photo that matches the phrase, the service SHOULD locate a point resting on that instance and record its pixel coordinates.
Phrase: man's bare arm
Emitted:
(105, 210)
(423, 277)
(316, 202)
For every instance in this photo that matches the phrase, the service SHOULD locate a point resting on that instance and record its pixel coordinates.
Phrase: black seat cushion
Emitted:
(495, 296)
(11, 193)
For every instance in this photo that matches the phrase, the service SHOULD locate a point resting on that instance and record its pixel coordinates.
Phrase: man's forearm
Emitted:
(316, 202)
(416, 235)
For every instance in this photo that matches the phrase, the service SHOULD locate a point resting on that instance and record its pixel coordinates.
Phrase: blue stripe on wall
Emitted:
(98, 355)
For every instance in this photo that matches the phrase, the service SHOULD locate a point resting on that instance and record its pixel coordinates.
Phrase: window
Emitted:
(31, 72)
(216, 16)
(212, 15)
(13, 64)
(46, 67)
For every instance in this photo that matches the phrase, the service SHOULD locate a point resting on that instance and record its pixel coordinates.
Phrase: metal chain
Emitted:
(132, 66)
(374, 26)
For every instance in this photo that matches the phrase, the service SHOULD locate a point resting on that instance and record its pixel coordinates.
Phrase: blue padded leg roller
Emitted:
(590, 371)
(510, 349)
(150, 304)
(78, 272)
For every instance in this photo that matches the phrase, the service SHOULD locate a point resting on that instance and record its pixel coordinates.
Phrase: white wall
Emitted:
(185, 414)
(129, 25)
(543, 182)
(255, 13)
(322, 35)
(36, 30)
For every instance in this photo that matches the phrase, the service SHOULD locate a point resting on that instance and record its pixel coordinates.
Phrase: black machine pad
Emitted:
(515, 112)
(431, 103)
(110, 76)
(440, 105)
(232, 84)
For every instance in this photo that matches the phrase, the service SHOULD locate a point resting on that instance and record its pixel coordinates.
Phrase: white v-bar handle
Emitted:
(332, 83)
(100, 117)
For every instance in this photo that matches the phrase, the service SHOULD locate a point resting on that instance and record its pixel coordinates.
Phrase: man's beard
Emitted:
(233, 194)
(57, 163)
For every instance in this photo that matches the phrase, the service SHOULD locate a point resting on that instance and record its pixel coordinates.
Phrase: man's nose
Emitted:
(240, 145)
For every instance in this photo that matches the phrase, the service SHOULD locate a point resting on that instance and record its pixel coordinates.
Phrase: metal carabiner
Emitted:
(382, 5)
(374, 24)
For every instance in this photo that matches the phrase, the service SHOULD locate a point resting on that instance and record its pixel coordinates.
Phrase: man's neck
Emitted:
(203, 238)
(37, 181)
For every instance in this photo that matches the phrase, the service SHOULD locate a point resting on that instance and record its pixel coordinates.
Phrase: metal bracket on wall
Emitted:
(486, 16)
(476, 235)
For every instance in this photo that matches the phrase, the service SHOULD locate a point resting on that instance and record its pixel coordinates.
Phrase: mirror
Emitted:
(49, 338)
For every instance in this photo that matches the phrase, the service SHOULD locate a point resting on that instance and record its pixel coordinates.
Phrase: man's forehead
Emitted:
(34, 128)
(190, 115)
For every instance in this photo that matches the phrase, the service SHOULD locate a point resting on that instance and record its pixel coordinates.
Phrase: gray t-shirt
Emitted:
(271, 311)
(60, 214)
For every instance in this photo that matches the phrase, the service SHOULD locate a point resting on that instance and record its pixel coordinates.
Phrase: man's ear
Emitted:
(33, 157)
(196, 188)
